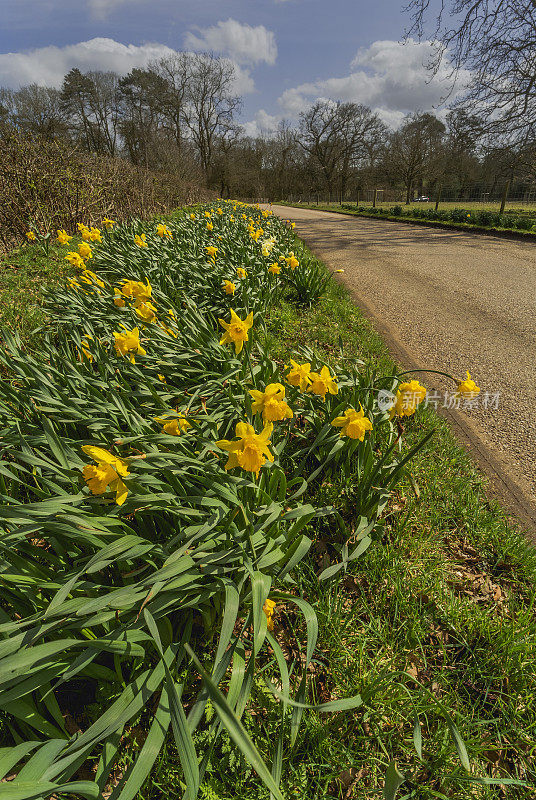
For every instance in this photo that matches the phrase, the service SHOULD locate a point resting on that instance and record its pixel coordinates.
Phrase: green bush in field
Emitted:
(154, 474)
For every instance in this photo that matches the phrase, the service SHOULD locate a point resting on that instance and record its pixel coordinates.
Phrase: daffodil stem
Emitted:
(250, 366)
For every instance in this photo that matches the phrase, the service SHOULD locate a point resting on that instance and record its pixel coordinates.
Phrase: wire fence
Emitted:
(492, 197)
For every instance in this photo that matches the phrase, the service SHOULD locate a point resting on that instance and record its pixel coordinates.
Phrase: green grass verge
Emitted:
(24, 273)
(435, 622)
(461, 226)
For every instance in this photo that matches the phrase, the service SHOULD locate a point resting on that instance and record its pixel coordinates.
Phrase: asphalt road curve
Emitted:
(450, 300)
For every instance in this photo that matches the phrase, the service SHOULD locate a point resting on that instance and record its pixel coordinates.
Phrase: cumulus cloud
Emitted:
(263, 124)
(241, 42)
(388, 76)
(46, 66)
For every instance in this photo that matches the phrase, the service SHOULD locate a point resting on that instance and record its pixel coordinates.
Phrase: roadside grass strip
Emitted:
(212, 582)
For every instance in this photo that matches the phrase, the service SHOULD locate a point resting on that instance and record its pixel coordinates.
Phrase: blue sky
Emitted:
(287, 52)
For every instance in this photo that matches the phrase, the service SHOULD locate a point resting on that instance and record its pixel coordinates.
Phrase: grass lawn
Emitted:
(512, 207)
(434, 625)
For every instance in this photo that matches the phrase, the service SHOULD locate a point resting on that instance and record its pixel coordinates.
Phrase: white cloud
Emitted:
(393, 80)
(46, 66)
(101, 8)
(241, 42)
(263, 124)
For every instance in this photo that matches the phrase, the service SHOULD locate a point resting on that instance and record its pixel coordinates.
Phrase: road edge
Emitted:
(502, 484)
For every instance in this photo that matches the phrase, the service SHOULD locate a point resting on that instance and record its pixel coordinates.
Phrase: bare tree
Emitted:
(495, 40)
(175, 72)
(415, 152)
(338, 137)
(211, 103)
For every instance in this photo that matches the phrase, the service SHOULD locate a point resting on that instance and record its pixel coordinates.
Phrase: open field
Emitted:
(433, 625)
(511, 207)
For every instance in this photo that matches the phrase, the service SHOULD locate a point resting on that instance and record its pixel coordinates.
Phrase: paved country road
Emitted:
(450, 300)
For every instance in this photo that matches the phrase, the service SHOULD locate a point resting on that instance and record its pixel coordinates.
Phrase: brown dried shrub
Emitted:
(47, 185)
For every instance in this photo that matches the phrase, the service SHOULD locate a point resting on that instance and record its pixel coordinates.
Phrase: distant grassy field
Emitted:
(513, 207)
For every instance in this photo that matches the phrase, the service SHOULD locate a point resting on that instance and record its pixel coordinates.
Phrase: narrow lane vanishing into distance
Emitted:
(450, 300)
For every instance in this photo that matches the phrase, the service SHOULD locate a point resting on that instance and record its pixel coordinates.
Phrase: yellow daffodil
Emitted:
(84, 231)
(108, 223)
(163, 230)
(467, 388)
(174, 426)
(293, 225)
(119, 300)
(75, 259)
(85, 250)
(353, 424)
(212, 252)
(146, 312)
(106, 476)
(161, 378)
(210, 226)
(251, 450)
(95, 235)
(192, 216)
(73, 283)
(322, 382)
(292, 261)
(299, 375)
(141, 241)
(208, 214)
(241, 272)
(231, 218)
(408, 397)
(274, 269)
(136, 290)
(128, 342)
(31, 236)
(229, 287)
(220, 212)
(236, 330)
(63, 237)
(271, 403)
(269, 608)
(89, 277)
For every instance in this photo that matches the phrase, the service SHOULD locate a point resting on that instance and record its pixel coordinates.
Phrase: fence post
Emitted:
(357, 198)
(438, 198)
(375, 196)
(317, 199)
(505, 195)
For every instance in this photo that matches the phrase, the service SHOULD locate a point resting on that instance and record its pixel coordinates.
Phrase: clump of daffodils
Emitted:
(269, 609)
(353, 424)
(467, 388)
(128, 343)
(236, 331)
(107, 474)
(299, 375)
(271, 403)
(322, 382)
(250, 449)
(408, 397)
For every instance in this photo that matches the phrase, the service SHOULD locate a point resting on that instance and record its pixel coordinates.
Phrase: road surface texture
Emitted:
(453, 301)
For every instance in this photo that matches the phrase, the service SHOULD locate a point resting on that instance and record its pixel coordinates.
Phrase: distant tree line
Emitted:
(179, 116)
